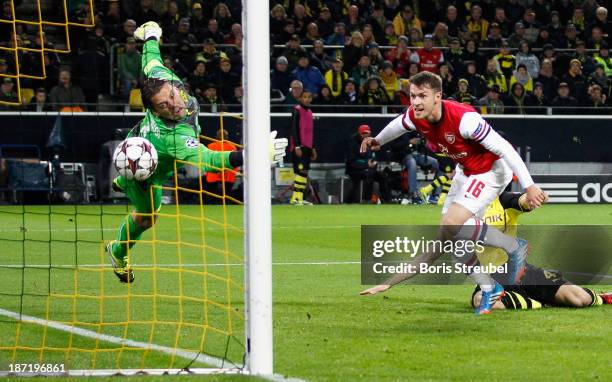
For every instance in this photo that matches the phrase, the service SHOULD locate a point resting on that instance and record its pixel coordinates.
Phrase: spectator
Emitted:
(112, 21)
(494, 40)
(596, 101)
(505, 61)
(598, 77)
(335, 77)
(413, 69)
(198, 22)
(361, 167)
(175, 65)
(514, 10)
(515, 102)
(354, 50)
(368, 35)
(145, 12)
(521, 75)
(39, 101)
(170, 19)
(449, 80)
(128, 64)
(462, 95)
(455, 25)
(236, 99)
(222, 14)
(319, 58)
(542, 9)
(402, 96)
(555, 28)
(601, 21)
(454, 56)
(477, 85)
(352, 21)
(579, 21)
(471, 53)
(226, 80)
(199, 80)
(505, 25)
(375, 93)
(184, 51)
(65, 95)
(295, 92)
(476, 25)
(212, 32)
(400, 56)
(211, 100)
(376, 58)
(518, 35)
(536, 102)
(596, 38)
(416, 37)
(604, 59)
(564, 103)
(428, 57)
(532, 26)
(339, 35)
(440, 35)
(280, 77)
(570, 37)
(308, 75)
(325, 23)
(278, 18)
(362, 72)
(378, 22)
(543, 39)
(405, 20)
(129, 26)
(293, 51)
(491, 103)
(589, 7)
(494, 76)
(312, 34)
(586, 61)
(525, 57)
(390, 8)
(7, 93)
(549, 82)
(300, 19)
(235, 36)
(349, 96)
(210, 55)
(389, 79)
(325, 100)
(575, 80)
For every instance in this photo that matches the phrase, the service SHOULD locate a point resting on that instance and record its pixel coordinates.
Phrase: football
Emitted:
(135, 158)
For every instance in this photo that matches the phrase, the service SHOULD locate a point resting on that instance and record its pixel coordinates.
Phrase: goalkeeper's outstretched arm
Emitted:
(152, 63)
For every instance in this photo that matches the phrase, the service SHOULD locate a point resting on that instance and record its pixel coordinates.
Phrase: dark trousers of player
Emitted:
(368, 177)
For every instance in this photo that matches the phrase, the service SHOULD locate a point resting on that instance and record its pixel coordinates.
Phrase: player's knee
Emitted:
(145, 222)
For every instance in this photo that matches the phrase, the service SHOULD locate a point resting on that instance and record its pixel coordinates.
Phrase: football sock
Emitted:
(299, 185)
(597, 300)
(476, 230)
(484, 281)
(517, 300)
(128, 231)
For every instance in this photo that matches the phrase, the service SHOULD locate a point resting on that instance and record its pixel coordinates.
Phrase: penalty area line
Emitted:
(186, 354)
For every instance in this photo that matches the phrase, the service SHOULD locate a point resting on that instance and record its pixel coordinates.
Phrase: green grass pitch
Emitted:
(323, 329)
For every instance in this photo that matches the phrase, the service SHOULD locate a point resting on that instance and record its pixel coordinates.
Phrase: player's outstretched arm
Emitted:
(152, 63)
(393, 130)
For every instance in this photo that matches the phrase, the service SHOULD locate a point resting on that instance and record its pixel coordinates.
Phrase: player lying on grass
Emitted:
(539, 287)
(485, 164)
(171, 125)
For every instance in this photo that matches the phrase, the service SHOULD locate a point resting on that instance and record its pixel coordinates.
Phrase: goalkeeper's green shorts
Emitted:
(145, 197)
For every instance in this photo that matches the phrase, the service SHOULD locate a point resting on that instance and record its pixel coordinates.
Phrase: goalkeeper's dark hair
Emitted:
(150, 87)
(428, 79)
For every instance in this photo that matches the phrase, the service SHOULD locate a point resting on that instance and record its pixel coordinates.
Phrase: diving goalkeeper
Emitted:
(171, 125)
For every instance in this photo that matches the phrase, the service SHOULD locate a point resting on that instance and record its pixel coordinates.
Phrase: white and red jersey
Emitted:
(428, 60)
(464, 136)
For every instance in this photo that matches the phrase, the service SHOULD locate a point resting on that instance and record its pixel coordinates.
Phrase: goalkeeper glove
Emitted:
(277, 147)
(146, 30)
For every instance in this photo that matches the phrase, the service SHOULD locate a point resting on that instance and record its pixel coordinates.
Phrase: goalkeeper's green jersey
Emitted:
(174, 140)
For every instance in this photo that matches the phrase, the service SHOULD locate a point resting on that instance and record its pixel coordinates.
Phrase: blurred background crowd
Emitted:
(501, 56)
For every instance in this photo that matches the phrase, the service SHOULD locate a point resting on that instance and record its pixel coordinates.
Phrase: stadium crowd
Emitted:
(506, 56)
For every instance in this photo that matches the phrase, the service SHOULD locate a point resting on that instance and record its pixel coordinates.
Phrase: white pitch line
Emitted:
(188, 355)
(185, 265)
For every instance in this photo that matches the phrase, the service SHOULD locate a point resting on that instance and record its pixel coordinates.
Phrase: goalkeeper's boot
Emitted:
(117, 185)
(606, 298)
(517, 260)
(489, 299)
(121, 267)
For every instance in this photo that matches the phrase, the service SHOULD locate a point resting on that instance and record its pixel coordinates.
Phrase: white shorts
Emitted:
(476, 192)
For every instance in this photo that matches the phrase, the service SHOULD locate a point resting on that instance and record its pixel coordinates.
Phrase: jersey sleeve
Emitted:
(189, 149)
(394, 129)
(475, 128)
(153, 65)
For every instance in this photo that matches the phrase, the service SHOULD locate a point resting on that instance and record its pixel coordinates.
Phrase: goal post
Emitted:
(258, 216)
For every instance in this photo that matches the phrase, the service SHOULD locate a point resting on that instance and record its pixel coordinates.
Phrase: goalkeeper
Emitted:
(171, 125)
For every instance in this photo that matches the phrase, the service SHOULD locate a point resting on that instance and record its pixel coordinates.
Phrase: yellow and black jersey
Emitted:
(502, 214)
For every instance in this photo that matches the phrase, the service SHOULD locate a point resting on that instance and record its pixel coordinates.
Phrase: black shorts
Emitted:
(302, 163)
(538, 284)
